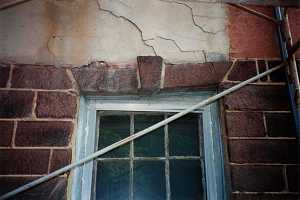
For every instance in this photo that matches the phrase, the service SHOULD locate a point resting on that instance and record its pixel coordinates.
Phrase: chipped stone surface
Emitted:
(78, 31)
(195, 75)
(100, 77)
(150, 70)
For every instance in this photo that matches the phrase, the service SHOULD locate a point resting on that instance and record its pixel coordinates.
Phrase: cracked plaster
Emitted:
(79, 31)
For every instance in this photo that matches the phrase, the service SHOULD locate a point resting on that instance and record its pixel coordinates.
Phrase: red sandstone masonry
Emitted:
(246, 39)
(264, 196)
(43, 134)
(16, 104)
(247, 178)
(93, 78)
(40, 77)
(243, 70)
(99, 77)
(279, 75)
(250, 124)
(150, 70)
(261, 139)
(56, 105)
(195, 75)
(55, 189)
(283, 151)
(37, 117)
(294, 19)
(24, 161)
(6, 132)
(293, 173)
(60, 158)
(257, 97)
(280, 125)
(261, 152)
(262, 66)
(4, 74)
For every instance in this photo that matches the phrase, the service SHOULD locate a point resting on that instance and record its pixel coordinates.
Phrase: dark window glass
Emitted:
(184, 136)
(149, 180)
(151, 145)
(112, 129)
(186, 180)
(112, 181)
(147, 168)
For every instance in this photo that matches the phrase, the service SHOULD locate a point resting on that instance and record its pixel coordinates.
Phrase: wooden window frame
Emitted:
(82, 177)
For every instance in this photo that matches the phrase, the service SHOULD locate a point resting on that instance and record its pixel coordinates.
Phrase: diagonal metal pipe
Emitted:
(254, 12)
(5, 4)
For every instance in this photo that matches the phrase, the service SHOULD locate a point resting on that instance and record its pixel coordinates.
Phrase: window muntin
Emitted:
(155, 165)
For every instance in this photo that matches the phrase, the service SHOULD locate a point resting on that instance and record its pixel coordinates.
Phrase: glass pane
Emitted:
(186, 180)
(113, 129)
(184, 136)
(112, 180)
(149, 180)
(151, 145)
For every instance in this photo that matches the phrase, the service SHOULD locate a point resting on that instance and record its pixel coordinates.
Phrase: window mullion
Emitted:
(201, 153)
(167, 164)
(200, 133)
(131, 155)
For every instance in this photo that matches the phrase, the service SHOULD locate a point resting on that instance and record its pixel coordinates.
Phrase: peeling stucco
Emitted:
(78, 31)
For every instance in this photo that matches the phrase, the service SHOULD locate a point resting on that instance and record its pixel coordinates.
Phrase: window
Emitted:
(166, 163)
(182, 160)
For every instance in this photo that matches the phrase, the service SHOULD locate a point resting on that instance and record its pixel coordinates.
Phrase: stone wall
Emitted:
(37, 120)
(261, 141)
(39, 109)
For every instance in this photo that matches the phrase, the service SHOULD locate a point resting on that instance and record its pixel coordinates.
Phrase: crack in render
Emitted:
(205, 55)
(177, 45)
(216, 32)
(199, 1)
(49, 49)
(184, 51)
(132, 23)
(193, 16)
(50, 38)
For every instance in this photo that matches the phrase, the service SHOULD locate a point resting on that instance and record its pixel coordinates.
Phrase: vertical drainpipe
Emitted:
(294, 99)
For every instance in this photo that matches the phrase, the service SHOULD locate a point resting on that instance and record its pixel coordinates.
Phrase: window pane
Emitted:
(149, 180)
(112, 129)
(112, 180)
(151, 145)
(184, 136)
(186, 180)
